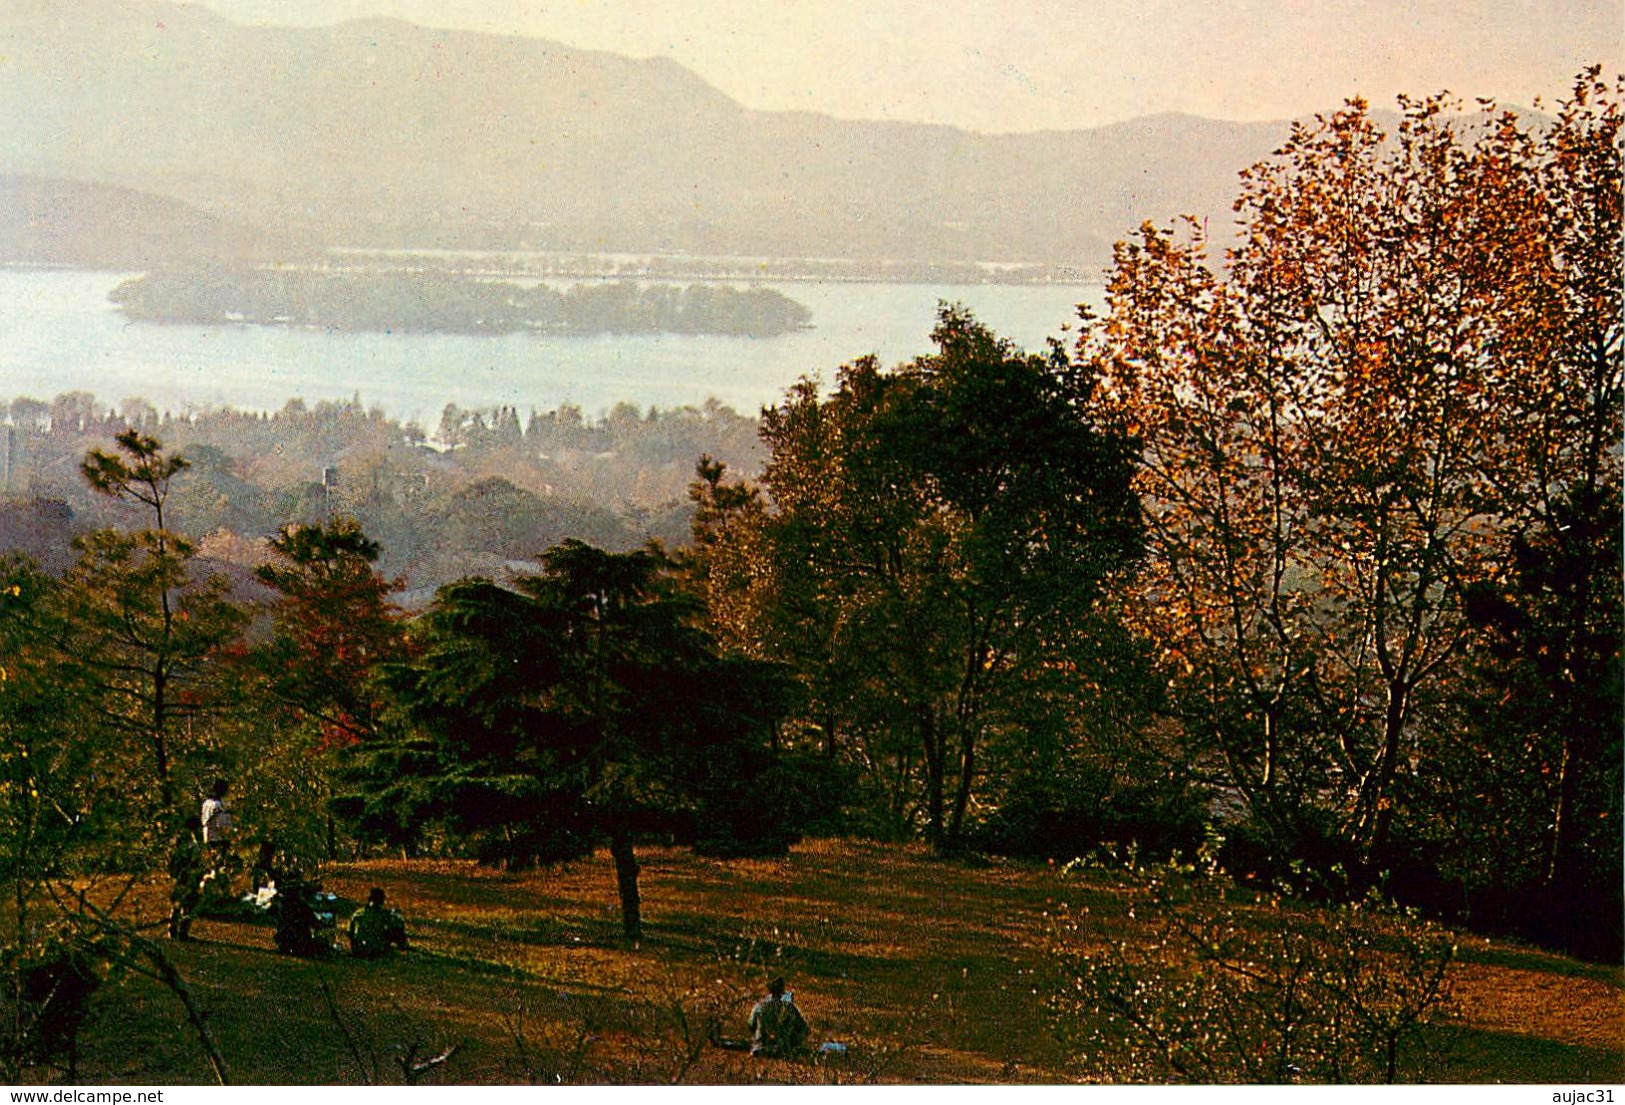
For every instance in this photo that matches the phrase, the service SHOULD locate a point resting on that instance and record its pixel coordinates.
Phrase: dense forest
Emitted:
(1305, 568)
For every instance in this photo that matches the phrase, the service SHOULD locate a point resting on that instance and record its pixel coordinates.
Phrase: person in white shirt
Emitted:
(217, 821)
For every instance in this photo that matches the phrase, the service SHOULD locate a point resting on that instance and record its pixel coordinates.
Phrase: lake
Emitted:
(59, 333)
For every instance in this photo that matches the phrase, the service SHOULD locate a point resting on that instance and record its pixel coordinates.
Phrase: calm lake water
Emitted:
(59, 333)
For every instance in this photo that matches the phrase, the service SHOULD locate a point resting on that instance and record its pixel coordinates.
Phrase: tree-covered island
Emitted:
(384, 301)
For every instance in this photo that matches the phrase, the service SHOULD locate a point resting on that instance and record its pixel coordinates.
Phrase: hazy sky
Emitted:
(1031, 64)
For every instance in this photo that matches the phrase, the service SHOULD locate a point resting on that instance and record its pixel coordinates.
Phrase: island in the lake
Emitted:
(450, 302)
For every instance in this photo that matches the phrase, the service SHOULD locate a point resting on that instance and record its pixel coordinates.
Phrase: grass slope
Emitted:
(929, 971)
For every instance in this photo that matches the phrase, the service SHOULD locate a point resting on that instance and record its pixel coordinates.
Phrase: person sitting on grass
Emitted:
(777, 1027)
(298, 930)
(375, 929)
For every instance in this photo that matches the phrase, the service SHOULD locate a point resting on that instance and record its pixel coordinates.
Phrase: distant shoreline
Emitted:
(528, 266)
(564, 264)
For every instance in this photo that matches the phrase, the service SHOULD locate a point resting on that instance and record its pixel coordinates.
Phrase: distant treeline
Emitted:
(588, 266)
(444, 302)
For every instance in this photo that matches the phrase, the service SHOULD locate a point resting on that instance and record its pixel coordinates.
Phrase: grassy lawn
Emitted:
(929, 971)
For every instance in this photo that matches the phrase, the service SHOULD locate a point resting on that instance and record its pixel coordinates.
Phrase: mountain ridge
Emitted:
(379, 132)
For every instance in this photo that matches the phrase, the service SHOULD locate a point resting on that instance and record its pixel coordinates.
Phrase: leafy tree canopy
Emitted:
(581, 704)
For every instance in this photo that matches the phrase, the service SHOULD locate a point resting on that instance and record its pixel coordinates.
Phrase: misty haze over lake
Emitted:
(60, 333)
(194, 141)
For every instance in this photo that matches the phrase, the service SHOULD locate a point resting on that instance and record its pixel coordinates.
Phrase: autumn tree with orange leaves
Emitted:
(1404, 377)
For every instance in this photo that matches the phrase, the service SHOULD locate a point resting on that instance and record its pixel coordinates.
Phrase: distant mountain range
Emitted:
(197, 134)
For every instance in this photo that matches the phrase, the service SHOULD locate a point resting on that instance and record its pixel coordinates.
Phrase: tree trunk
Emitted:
(1557, 857)
(931, 744)
(159, 736)
(1398, 713)
(898, 803)
(626, 881)
(1378, 815)
(967, 776)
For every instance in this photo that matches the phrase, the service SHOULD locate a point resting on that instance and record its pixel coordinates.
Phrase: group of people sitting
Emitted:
(305, 923)
(202, 864)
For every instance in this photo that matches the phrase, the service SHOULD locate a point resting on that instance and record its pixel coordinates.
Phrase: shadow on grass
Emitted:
(1470, 1055)
(704, 938)
(548, 934)
(1520, 958)
(932, 971)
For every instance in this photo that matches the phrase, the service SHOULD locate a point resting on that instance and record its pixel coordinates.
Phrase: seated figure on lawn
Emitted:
(777, 1027)
(376, 929)
(300, 930)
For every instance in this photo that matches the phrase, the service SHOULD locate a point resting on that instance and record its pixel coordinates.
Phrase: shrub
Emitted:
(1304, 854)
(1217, 985)
(761, 802)
(1158, 819)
